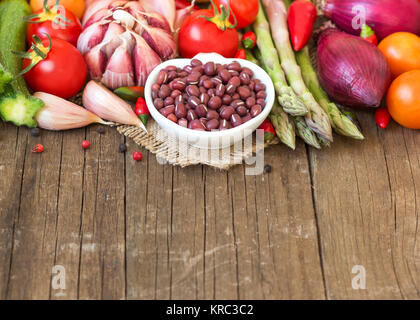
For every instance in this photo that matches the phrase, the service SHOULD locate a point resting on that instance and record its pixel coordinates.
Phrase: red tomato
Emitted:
(199, 35)
(54, 26)
(245, 10)
(62, 73)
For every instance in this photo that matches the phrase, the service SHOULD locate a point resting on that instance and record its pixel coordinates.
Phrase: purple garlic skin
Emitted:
(122, 42)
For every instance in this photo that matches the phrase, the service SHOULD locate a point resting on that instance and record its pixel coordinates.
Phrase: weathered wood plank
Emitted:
(365, 203)
(70, 204)
(402, 158)
(102, 261)
(277, 235)
(205, 233)
(12, 159)
(186, 251)
(149, 210)
(220, 255)
(35, 227)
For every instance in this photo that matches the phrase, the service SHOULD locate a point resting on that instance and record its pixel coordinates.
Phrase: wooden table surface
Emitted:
(125, 230)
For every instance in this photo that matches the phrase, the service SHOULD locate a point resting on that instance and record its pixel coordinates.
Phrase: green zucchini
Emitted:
(13, 38)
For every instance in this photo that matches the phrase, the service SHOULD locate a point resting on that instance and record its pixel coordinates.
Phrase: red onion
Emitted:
(384, 16)
(352, 71)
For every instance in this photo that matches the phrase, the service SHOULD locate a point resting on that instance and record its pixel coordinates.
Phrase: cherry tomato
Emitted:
(62, 72)
(403, 99)
(402, 51)
(200, 35)
(55, 26)
(75, 6)
(245, 10)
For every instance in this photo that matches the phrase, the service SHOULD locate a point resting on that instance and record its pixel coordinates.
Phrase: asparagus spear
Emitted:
(287, 97)
(284, 127)
(306, 133)
(317, 119)
(340, 122)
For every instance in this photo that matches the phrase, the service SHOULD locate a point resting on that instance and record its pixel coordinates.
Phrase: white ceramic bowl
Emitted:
(214, 139)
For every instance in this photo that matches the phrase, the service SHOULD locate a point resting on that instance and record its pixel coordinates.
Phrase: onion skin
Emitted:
(383, 16)
(352, 71)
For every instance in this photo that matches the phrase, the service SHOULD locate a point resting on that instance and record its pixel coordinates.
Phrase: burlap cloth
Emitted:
(168, 150)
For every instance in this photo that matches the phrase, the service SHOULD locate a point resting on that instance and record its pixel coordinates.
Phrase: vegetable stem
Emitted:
(290, 102)
(283, 125)
(317, 119)
(340, 122)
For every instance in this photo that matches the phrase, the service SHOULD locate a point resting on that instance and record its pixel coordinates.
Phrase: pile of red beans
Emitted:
(209, 96)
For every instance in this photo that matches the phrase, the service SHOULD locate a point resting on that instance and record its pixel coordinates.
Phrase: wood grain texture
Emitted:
(365, 198)
(128, 230)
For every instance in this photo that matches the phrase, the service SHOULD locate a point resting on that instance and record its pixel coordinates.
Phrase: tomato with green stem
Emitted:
(75, 6)
(208, 31)
(245, 11)
(56, 21)
(54, 66)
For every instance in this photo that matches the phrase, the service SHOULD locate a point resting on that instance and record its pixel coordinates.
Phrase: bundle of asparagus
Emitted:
(304, 105)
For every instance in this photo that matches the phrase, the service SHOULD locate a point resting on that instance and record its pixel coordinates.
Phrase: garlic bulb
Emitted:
(111, 44)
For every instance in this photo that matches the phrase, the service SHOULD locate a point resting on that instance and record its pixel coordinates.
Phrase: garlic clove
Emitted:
(98, 16)
(160, 41)
(145, 60)
(155, 19)
(119, 71)
(166, 8)
(60, 114)
(112, 38)
(134, 8)
(107, 105)
(91, 36)
(93, 7)
(96, 62)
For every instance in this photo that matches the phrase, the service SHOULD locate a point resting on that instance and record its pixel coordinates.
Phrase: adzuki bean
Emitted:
(209, 96)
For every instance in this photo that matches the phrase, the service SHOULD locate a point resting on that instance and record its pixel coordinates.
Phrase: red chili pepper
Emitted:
(301, 18)
(182, 4)
(369, 35)
(269, 132)
(241, 54)
(141, 110)
(382, 117)
(39, 148)
(249, 40)
(137, 156)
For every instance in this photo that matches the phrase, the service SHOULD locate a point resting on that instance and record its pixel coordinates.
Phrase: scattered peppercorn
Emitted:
(85, 144)
(122, 148)
(101, 130)
(39, 148)
(137, 156)
(35, 132)
(267, 169)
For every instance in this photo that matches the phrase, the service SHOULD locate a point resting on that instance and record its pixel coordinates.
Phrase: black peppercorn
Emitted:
(267, 169)
(35, 132)
(122, 148)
